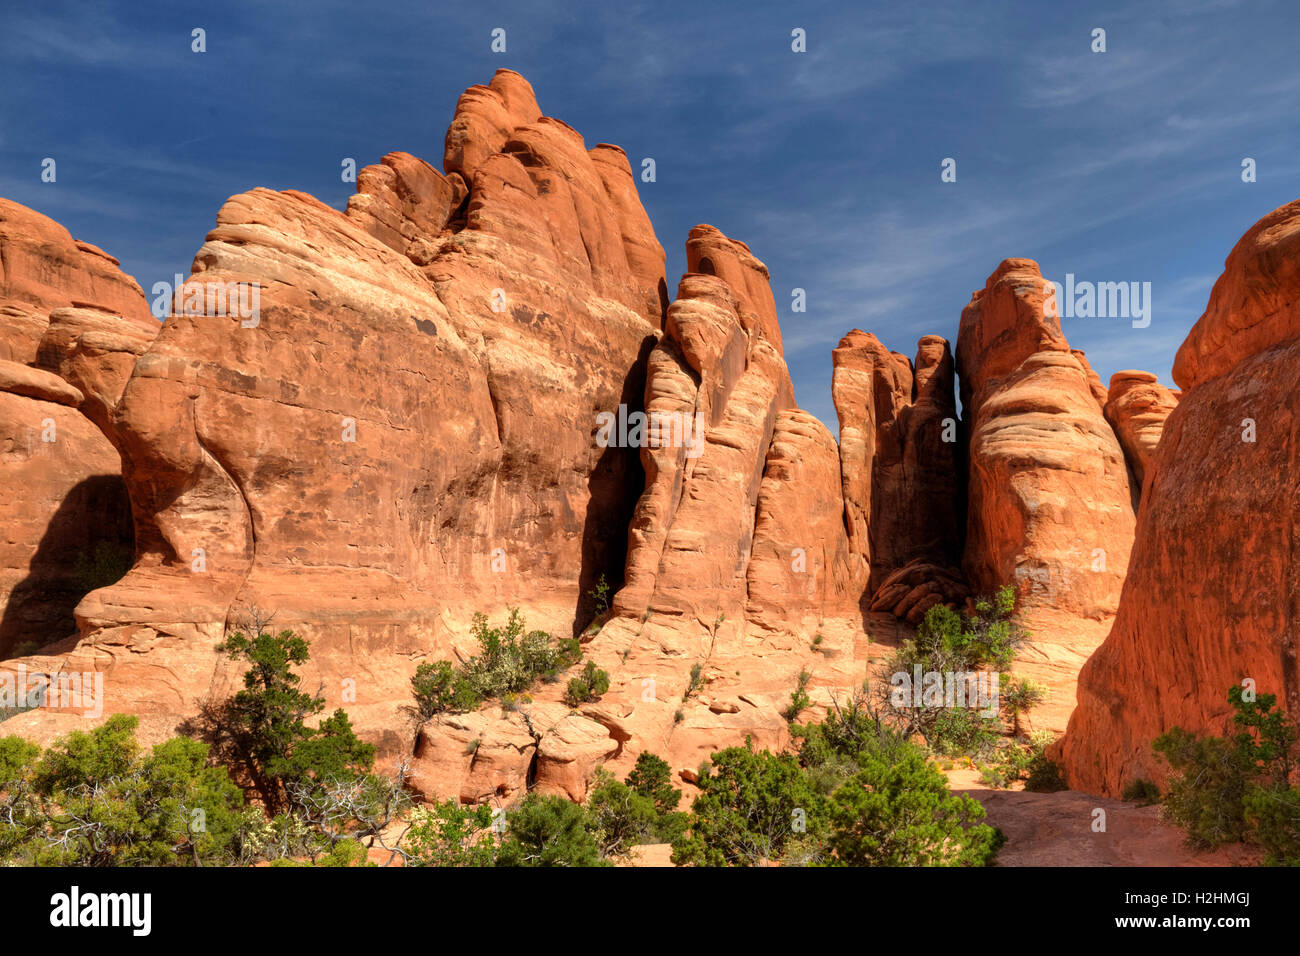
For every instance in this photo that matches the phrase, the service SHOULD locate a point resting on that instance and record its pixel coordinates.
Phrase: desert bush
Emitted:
(1141, 791)
(95, 798)
(438, 688)
(619, 816)
(346, 853)
(963, 731)
(652, 778)
(1014, 761)
(900, 812)
(949, 643)
(799, 699)
(548, 831)
(1044, 776)
(1009, 764)
(1273, 816)
(989, 637)
(587, 686)
(261, 732)
(509, 662)
(1227, 789)
(830, 751)
(600, 596)
(1017, 696)
(752, 807)
(451, 834)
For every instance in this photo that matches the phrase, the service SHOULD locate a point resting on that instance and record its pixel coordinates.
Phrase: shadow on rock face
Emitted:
(616, 484)
(88, 544)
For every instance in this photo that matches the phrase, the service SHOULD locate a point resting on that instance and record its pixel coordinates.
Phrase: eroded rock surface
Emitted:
(1213, 592)
(899, 451)
(405, 433)
(1050, 509)
(1136, 408)
(66, 312)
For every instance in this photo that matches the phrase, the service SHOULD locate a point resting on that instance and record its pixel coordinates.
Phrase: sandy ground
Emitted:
(1057, 829)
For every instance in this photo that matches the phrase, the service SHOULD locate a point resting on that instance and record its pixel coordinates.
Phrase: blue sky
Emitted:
(1115, 166)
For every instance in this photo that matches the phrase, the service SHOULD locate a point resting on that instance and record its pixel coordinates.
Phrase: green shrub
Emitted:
(509, 662)
(962, 731)
(949, 643)
(1273, 815)
(548, 831)
(618, 816)
(753, 806)
(588, 686)
(261, 732)
(1017, 696)
(830, 751)
(799, 699)
(652, 778)
(1009, 764)
(600, 596)
(512, 661)
(95, 799)
(1205, 798)
(989, 637)
(1014, 761)
(901, 813)
(1044, 775)
(449, 834)
(345, 853)
(1224, 789)
(438, 687)
(19, 810)
(1141, 791)
(695, 683)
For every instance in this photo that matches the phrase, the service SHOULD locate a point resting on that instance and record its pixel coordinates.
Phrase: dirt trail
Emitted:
(1056, 829)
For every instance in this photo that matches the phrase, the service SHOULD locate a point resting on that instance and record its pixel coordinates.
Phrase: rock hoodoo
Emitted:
(1136, 408)
(1050, 504)
(1213, 591)
(903, 489)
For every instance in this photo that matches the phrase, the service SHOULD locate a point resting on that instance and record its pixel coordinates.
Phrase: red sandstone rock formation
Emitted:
(1213, 592)
(1049, 494)
(42, 268)
(403, 435)
(65, 513)
(898, 450)
(1137, 408)
(738, 554)
(692, 532)
(801, 569)
(408, 431)
(69, 315)
(1099, 391)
